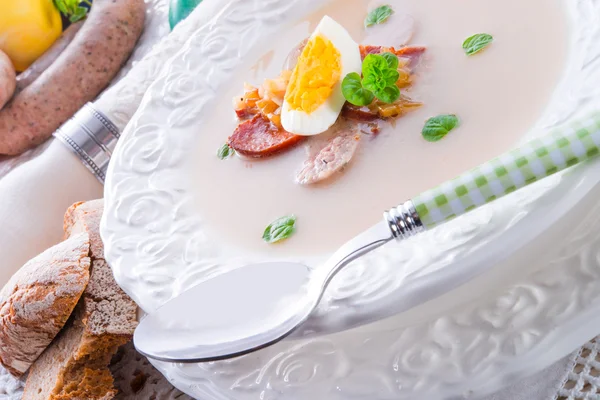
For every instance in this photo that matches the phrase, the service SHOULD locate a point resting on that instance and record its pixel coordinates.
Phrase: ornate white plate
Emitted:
(527, 264)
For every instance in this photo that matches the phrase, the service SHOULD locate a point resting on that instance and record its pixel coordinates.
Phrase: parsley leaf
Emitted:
(281, 228)
(437, 127)
(379, 15)
(474, 44)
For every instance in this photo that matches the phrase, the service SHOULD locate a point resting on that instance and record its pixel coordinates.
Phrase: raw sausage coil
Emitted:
(34, 71)
(78, 75)
(7, 79)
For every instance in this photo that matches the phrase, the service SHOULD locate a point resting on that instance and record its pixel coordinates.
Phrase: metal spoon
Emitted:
(255, 306)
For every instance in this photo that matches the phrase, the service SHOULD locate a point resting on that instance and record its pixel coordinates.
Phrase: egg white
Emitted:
(318, 121)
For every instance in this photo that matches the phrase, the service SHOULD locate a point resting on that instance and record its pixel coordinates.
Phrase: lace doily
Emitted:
(582, 381)
(135, 378)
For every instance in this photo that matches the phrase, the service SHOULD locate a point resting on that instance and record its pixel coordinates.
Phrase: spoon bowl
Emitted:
(230, 315)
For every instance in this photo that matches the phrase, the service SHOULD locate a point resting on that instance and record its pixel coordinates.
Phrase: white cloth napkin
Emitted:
(33, 199)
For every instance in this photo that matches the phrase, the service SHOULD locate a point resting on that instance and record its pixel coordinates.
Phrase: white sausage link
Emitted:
(7, 79)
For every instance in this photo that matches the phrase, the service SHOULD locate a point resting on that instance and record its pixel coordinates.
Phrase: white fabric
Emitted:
(33, 199)
(541, 386)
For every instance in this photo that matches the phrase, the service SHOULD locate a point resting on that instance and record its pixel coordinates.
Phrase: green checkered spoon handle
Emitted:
(542, 157)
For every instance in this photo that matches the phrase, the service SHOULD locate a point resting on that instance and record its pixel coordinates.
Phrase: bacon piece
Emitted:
(243, 113)
(412, 54)
(359, 113)
(367, 49)
(257, 137)
(377, 110)
(333, 157)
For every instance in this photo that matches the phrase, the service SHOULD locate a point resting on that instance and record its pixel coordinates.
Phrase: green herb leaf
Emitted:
(389, 94)
(79, 14)
(377, 74)
(60, 5)
(390, 76)
(281, 228)
(374, 64)
(474, 44)
(380, 74)
(437, 127)
(378, 15)
(391, 59)
(373, 82)
(72, 9)
(225, 152)
(354, 92)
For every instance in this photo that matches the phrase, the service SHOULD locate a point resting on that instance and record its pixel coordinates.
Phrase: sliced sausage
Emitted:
(257, 137)
(26, 77)
(333, 157)
(78, 75)
(7, 79)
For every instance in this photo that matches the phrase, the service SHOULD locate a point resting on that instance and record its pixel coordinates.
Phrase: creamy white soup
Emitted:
(497, 94)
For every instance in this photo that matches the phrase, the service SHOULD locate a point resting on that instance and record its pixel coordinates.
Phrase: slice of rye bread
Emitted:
(74, 367)
(38, 300)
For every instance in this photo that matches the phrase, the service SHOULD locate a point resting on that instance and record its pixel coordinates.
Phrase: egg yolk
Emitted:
(317, 71)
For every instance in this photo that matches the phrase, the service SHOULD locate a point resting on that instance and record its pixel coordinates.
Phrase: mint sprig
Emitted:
(379, 77)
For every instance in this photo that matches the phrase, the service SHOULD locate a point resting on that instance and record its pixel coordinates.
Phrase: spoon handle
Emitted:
(562, 148)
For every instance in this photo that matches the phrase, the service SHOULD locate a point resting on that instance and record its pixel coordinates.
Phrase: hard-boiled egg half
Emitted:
(313, 99)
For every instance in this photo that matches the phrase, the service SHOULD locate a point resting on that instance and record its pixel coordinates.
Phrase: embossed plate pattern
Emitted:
(538, 295)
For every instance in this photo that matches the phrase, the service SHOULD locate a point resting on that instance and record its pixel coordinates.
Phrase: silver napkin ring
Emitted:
(92, 137)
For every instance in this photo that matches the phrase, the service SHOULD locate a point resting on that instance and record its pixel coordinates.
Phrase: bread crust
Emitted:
(75, 365)
(38, 300)
(85, 217)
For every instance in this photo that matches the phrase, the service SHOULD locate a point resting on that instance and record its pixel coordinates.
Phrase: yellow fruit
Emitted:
(27, 29)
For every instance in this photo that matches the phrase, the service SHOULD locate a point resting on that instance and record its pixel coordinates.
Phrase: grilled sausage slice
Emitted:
(257, 137)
